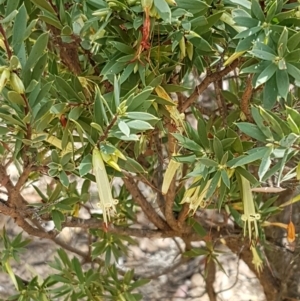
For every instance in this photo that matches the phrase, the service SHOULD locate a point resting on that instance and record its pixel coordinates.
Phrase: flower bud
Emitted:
(4, 78)
(16, 83)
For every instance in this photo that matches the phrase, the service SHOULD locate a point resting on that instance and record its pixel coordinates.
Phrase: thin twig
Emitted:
(94, 223)
(104, 136)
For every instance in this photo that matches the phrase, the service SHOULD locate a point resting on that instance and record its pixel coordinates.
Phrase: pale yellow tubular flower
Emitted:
(189, 192)
(195, 197)
(199, 200)
(193, 200)
(169, 175)
(107, 202)
(249, 216)
(187, 195)
(174, 113)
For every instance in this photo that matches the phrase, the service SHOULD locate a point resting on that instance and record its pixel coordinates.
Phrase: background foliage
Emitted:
(98, 90)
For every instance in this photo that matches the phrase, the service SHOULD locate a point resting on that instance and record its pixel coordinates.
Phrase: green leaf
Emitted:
(213, 184)
(58, 218)
(34, 101)
(276, 123)
(195, 6)
(271, 11)
(11, 119)
(252, 130)
(124, 128)
(39, 67)
(260, 123)
(293, 41)
(122, 47)
(231, 97)
(282, 42)
(141, 116)
(293, 125)
(265, 163)
(197, 227)
(100, 116)
(19, 29)
(131, 165)
(218, 148)
(208, 162)
(63, 85)
(64, 178)
(189, 159)
(35, 53)
(77, 268)
(199, 43)
(266, 74)
(4, 130)
(246, 174)
(256, 11)
(154, 81)
(187, 143)
(246, 22)
(139, 125)
(225, 178)
(51, 20)
(247, 33)
(264, 55)
(85, 165)
(44, 5)
(202, 133)
(289, 140)
(294, 115)
(270, 93)
(137, 101)
(16, 98)
(127, 72)
(293, 56)
(293, 71)
(283, 83)
(252, 156)
(75, 113)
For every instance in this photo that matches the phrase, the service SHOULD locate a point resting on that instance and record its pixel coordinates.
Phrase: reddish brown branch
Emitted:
(139, 198)
(210, 279)
(169, 214)
(247, 95)
(183, 215)
(106, 132)
(213, 77)
(8, 50)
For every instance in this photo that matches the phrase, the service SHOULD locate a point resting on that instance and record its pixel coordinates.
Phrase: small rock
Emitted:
(197, 280)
